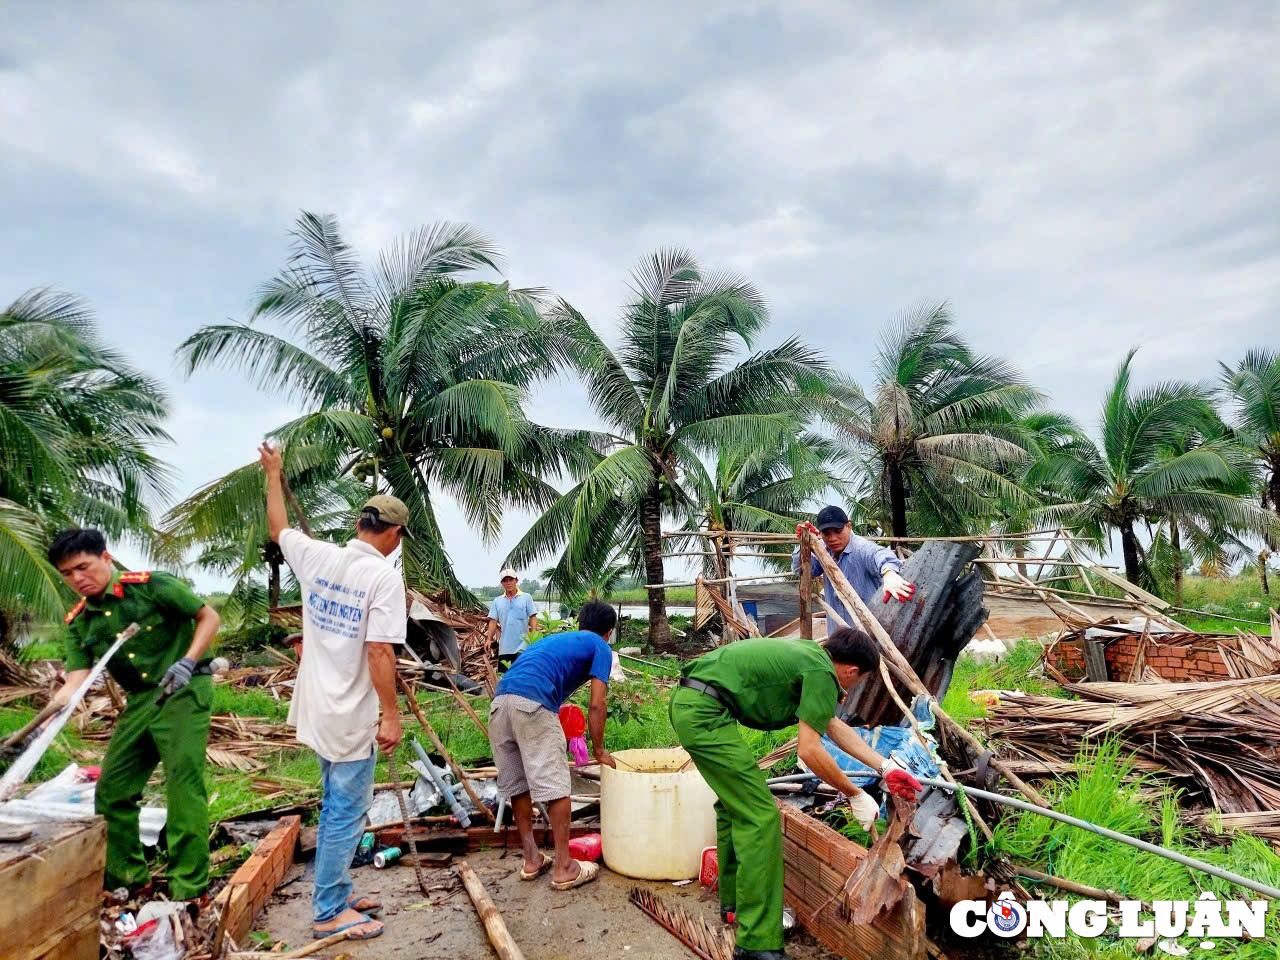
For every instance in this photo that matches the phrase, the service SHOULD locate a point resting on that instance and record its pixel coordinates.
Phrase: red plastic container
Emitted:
(709, 875)
(586, 848)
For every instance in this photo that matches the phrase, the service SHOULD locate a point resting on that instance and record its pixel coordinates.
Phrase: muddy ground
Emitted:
(595, 922)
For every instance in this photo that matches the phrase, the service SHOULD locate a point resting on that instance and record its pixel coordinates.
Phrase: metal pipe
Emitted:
(463, 817)
(1173, 855)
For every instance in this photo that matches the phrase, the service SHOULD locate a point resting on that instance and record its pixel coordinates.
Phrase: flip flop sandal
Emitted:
(542, 868)
(587, 872)
(321, 934)
(372, 907)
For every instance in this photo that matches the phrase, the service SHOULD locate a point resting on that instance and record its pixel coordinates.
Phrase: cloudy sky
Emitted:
(1074, 178)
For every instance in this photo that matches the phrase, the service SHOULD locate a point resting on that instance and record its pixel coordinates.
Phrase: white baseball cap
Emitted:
(508, 572)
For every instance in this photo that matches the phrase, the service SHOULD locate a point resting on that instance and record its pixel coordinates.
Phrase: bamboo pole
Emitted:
(298, 954)
(853, 603)
(694, 583)
(806, 591)
(467, 708)
(440, 748)
(915, 726)
(503, 944)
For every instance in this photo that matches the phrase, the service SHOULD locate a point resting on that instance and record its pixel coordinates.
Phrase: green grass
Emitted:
(1018, 670)
(1228, 597)
(47, 649)
(1105, 792)
(63, 751)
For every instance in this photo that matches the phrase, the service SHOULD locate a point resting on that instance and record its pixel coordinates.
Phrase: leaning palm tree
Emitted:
(1252, 389)
(934, 430)
(1045, 435)
(77, 424)
(762, 489)
(1138, 475)
(669, 392)
(413, 376)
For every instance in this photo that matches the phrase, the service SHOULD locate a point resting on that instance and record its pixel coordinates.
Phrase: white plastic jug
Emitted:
(655, 822)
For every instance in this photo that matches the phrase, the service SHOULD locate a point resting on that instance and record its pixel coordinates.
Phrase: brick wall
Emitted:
(1179, 658)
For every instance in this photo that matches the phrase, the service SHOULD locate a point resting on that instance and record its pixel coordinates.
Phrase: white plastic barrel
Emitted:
(655, 822)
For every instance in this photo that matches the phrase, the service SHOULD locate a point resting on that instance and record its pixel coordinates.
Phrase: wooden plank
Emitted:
(249, 888)
(61, 863)
(1132, 589)
(1095, 661)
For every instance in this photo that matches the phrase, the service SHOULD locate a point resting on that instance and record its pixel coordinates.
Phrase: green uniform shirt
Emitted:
(162, 605)
(771, 682)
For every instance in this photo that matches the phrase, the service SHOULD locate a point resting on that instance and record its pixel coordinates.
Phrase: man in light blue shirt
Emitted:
(511, 616)
(868, 568)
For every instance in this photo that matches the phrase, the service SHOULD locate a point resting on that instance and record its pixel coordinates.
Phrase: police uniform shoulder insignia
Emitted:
(74, 611)
(138, 576)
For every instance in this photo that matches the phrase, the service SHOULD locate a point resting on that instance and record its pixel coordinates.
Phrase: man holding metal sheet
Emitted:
(769, 683)
(868, 568)
(164, 671)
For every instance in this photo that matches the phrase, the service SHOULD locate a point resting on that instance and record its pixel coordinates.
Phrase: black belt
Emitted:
(701, 687)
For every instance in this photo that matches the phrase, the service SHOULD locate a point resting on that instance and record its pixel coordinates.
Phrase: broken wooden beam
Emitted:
(503, 943)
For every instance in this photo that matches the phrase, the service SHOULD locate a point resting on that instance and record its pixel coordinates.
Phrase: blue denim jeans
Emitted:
(348, 791)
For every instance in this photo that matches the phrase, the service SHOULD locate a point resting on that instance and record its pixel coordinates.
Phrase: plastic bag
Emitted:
(153, 941)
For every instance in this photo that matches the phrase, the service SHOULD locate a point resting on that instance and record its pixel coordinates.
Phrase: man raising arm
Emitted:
(868, 568)
(353, 603)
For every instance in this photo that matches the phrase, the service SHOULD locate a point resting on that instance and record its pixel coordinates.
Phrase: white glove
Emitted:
(864, 809)
(897, 586)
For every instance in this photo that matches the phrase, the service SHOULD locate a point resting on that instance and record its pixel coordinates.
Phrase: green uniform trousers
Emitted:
(174, 734)
(748, 826)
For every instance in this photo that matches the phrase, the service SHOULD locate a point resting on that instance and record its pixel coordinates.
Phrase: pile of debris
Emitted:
(1221, 741)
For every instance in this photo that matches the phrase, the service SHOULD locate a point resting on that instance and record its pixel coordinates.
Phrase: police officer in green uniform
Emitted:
(167, 716)
(770, 683)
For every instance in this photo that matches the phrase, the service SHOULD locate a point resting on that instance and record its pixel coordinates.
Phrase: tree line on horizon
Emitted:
(413, 374)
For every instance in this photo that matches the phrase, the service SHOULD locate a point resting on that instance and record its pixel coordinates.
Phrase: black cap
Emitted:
(831, 518)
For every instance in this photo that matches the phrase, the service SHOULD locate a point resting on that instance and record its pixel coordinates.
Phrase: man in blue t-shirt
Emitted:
(529, 744)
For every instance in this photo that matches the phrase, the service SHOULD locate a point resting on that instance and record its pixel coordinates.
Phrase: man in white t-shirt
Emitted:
(353, 603)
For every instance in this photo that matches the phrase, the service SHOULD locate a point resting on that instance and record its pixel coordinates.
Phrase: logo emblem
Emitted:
(1006, 917)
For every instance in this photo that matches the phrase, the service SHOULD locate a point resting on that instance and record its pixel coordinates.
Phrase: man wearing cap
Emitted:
(353, 608)
(511, 616)
(868, 568)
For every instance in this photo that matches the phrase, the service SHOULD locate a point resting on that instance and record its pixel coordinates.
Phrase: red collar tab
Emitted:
(74, 611)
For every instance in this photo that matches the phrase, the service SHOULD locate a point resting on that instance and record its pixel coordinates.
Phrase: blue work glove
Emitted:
(177, 676)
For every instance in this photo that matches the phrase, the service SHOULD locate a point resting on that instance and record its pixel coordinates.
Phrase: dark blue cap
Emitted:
(831, 518)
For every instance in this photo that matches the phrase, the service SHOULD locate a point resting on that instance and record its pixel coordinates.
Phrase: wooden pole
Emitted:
(298, 954)
(467, 708)
(503, 944)
(439, 745)
(853, 603)
(915, 726)
(806, 591)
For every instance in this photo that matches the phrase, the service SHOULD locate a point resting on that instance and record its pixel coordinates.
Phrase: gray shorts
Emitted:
(529, 749)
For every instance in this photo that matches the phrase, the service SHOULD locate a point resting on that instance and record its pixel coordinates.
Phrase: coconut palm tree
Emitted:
(1252, 389)
(763, 489)
(669, 392)
(77, 424)
(935, 429)
(1139, 473)
(1044, 435)
(412, 373)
